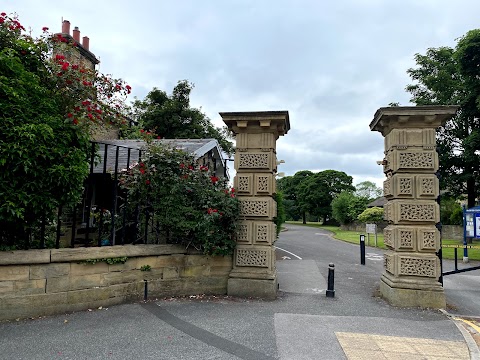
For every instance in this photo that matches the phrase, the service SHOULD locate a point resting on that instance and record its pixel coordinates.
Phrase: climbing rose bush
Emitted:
(50, 107)
(185, 203)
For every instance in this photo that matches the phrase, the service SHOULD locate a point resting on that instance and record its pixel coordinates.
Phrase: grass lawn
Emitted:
(354, 238)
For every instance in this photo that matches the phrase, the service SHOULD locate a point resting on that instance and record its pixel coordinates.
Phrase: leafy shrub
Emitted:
(371, 215)
(184, 202)
(49, 108)
(346, 207)
(281, 216)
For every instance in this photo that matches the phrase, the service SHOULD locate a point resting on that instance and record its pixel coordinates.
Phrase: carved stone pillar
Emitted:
(254, 272)
(412, 268)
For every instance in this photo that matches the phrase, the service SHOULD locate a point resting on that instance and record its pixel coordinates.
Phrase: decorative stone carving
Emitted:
(257, 207)
(428, 239)
(405, 186)
(243, 233)
(244, 184)
(404, 138)
(427, 186)
(262, 140)
(424, 267)
(416, 160)
(264, 233)
(411, 188)
(388, 237)
(251, 257)
(389, 263)
(263, 184)
(254, 208)
(417, 212)
(406, 238)
(387, 188)
(254, 160)
(387, 212)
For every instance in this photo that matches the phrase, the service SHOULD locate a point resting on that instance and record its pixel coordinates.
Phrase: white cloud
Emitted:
(331, 64)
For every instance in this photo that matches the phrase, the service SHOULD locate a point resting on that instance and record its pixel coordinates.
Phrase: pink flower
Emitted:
(44, 29)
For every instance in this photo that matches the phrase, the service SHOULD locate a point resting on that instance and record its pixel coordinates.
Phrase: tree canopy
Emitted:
(317, 192)
(368, 190)
(172, 117)
(451, 76)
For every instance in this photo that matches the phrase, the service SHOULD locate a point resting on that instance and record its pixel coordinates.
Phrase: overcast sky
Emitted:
(330, 64)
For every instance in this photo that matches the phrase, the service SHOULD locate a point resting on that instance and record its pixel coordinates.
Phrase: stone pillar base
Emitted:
(405, 295)
(257, 288)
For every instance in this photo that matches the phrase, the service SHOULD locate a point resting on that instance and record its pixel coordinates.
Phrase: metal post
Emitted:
(145, 292)
(362, 249)
(331, 278)
(456, 258)
(465, 251)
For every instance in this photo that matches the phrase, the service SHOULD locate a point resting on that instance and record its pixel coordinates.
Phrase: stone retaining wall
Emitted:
(45, 282)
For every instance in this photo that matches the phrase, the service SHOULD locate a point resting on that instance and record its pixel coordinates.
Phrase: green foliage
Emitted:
(145, 268)
(46, 104)
(451, 212)
(368, 190)
(371, 215)
(172, 117)
(290, 187)
(346, 207)
(449, 76)
(185, 204)
(315, 194)
(281, 217)
(109, 261)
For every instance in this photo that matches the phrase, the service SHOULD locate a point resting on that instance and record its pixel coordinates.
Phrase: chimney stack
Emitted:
(66, 27)
(86, 43)
(76, 34)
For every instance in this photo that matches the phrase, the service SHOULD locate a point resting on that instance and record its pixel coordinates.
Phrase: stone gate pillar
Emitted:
(411, 266)
(254, 273)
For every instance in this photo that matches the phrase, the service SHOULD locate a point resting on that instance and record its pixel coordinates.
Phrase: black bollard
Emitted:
(145, 292)
(362, 249)
(331, 275)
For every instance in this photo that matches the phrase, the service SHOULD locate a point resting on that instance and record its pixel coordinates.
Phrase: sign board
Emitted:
(469, 227)
(372, 228)
(477, 226)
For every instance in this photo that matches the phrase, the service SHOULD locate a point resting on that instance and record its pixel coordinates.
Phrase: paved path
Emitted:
(301, 324)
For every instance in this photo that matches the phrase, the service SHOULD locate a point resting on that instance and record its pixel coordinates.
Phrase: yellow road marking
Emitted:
(477, 328)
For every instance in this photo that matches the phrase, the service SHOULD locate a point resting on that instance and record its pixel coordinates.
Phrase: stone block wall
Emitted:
(45, 282)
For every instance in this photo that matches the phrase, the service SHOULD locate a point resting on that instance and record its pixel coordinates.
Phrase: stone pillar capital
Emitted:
(276, 122)
(411, 117)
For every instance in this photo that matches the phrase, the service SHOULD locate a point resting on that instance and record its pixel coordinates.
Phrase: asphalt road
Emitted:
(301, 324)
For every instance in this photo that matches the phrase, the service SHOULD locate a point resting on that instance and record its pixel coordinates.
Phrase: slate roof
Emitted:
(378, 202)
(197, 147)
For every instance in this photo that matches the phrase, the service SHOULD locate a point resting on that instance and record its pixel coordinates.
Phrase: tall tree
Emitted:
(368, 190)
(445, 76)
(290, 186)
(316, 193)
(172, 116)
